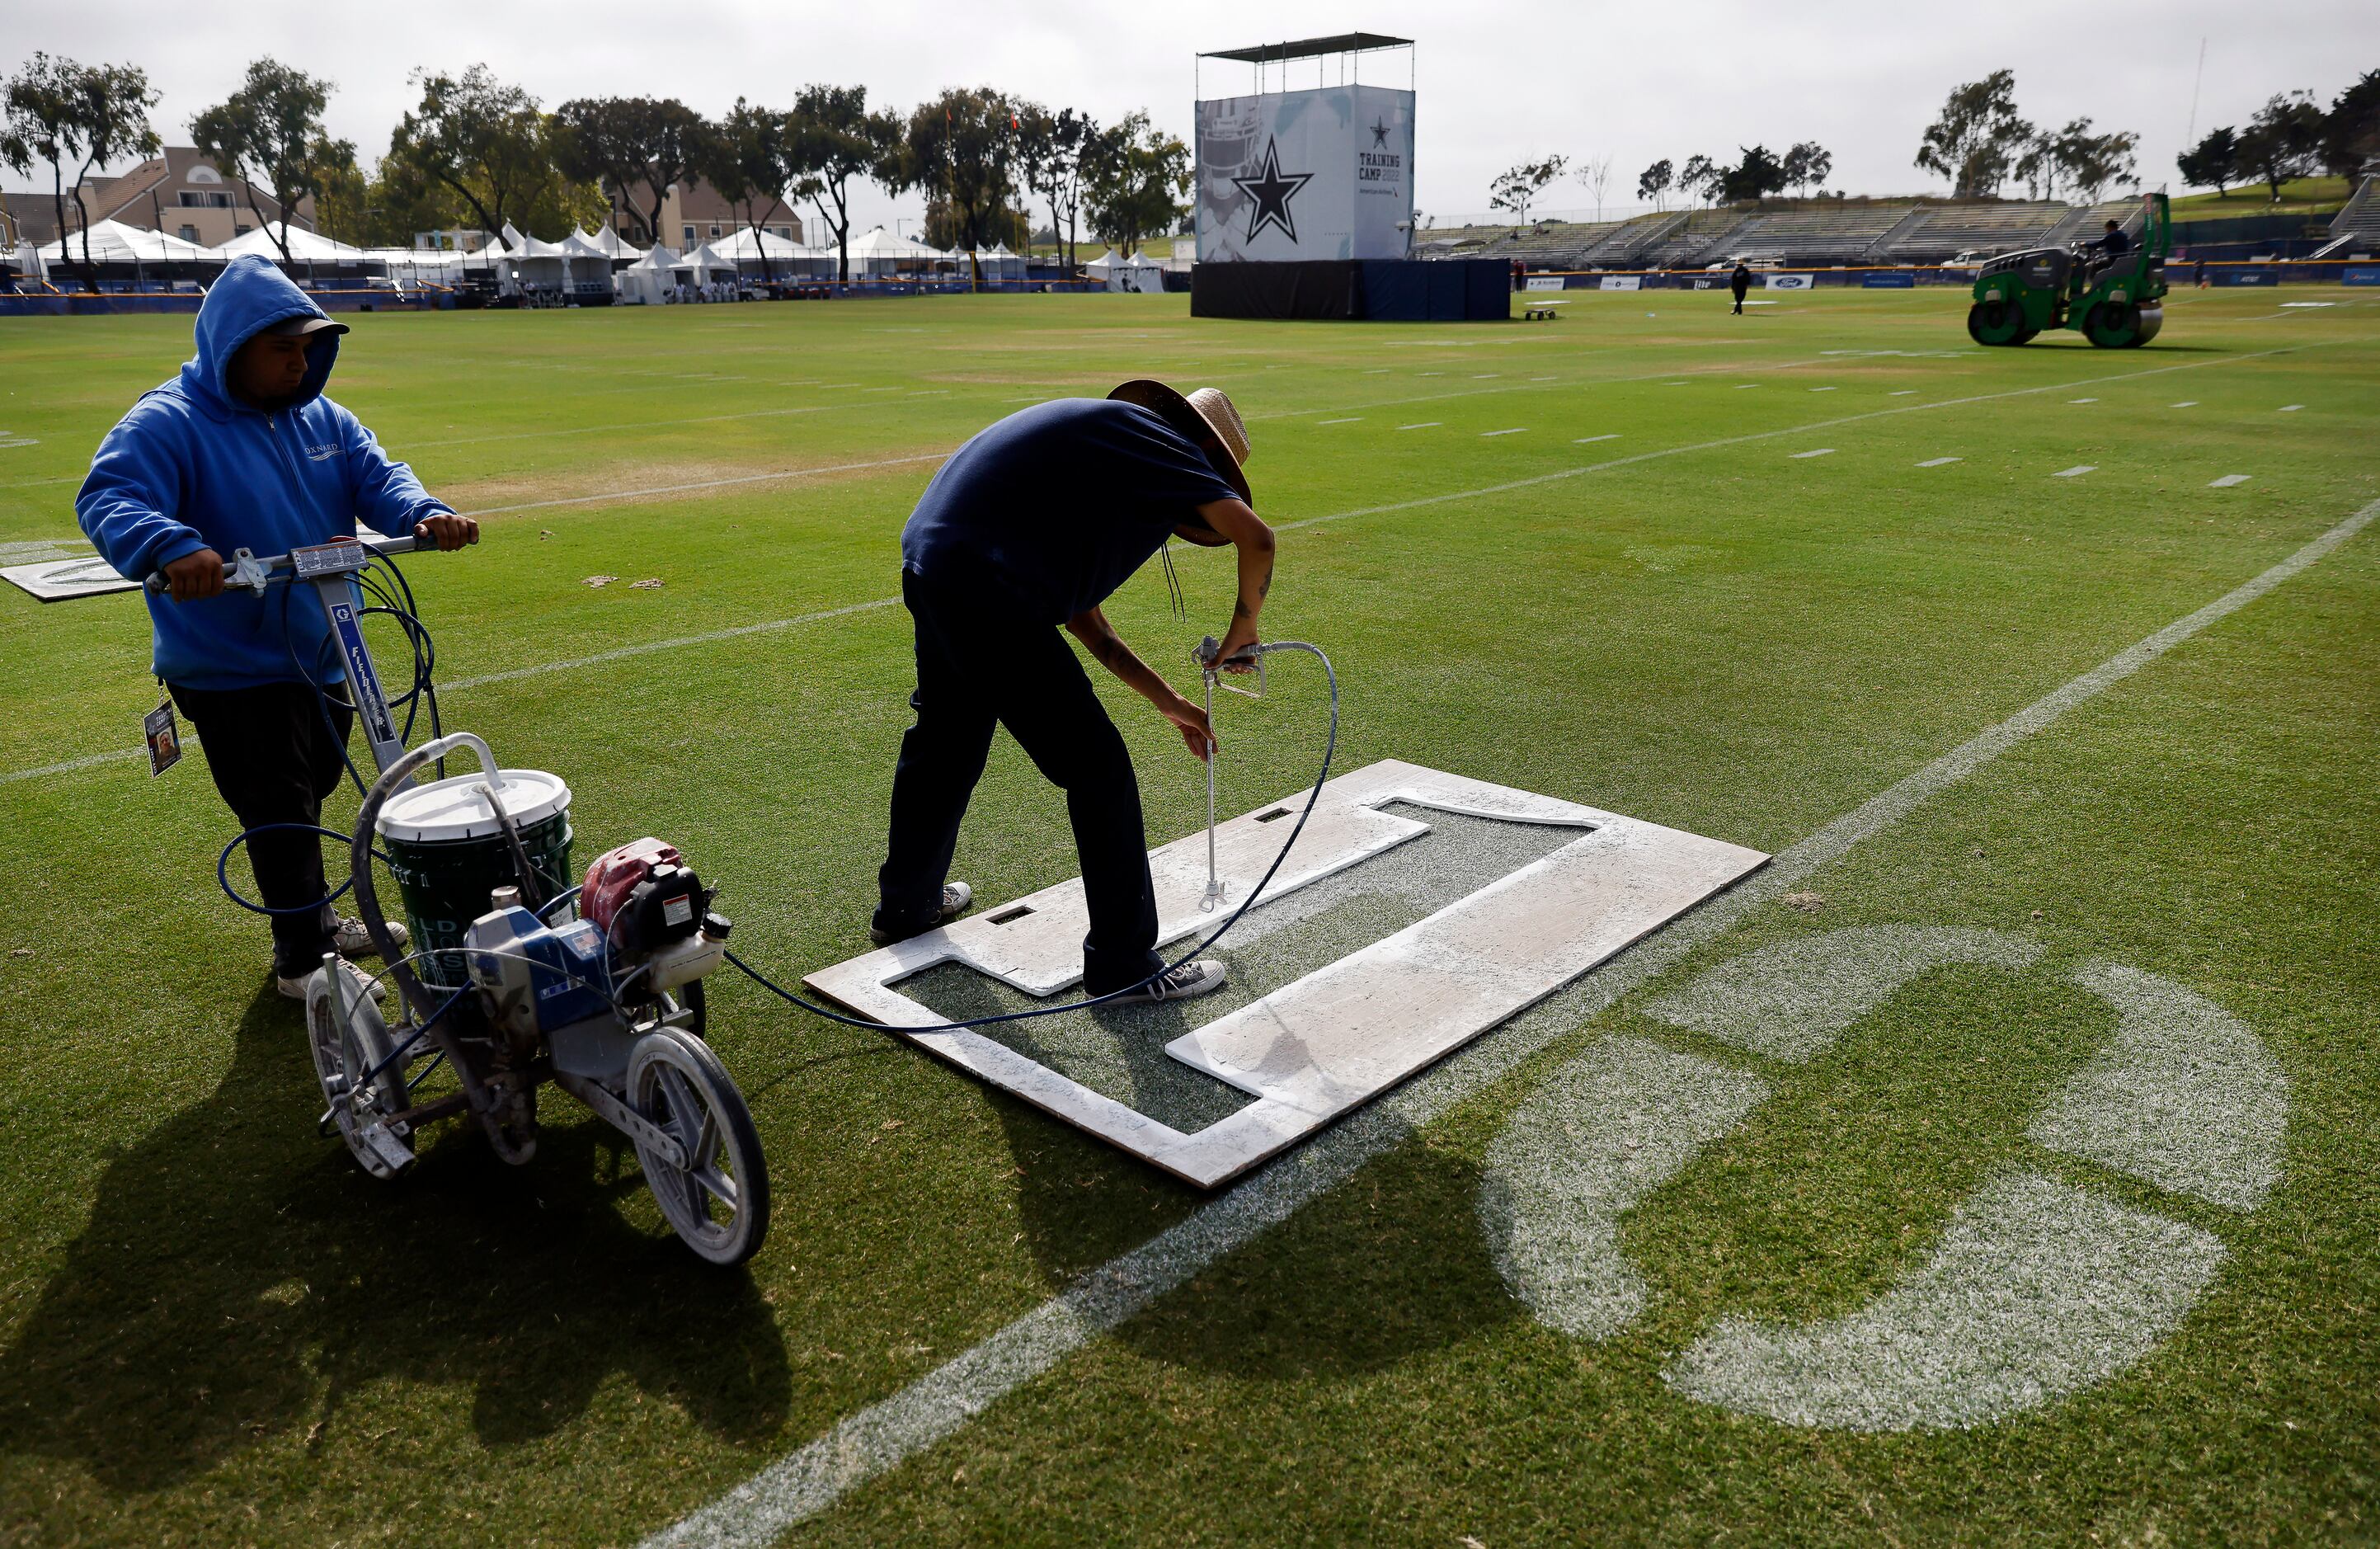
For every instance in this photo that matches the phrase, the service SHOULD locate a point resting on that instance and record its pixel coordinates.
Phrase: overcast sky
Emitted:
(1498, 82)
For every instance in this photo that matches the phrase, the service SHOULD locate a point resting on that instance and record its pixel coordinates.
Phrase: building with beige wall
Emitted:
(182, 194)
(693, 213)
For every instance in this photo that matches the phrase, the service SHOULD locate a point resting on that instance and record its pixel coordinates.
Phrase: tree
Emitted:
(1807, 163)
(2035, 164)
(1699, 179)
(482, 140)
(749, 160)
(961, 148)
(1135, 180)
(2283, 141)
(271, 131)
(2214, 160)
(1654, 181)
(58, 111)
(1517, 187)
(832, 138)
(631, 143)
(1594, 175)
(1759, 174)
(2350, 132)
(2092, 162)
(1050, 160)
(1975, 137)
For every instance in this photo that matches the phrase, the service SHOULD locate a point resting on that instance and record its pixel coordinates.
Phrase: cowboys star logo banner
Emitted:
(1292, 174)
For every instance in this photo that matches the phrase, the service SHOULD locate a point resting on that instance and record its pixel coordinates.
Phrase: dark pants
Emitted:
(1739, 305)
(982, 662)
(274, 760)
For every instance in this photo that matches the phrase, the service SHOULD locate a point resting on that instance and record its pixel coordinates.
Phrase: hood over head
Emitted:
(250, 296)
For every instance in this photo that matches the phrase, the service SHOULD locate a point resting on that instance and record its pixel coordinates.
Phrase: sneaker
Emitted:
(956, 897)
(1189, 981)
(354, 941)
(294, 986)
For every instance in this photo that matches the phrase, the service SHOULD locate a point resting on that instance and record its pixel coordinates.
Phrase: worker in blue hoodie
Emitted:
(242, 450)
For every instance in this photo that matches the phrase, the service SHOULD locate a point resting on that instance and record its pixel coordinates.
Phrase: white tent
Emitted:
(552, 266)
(646, 282)
(305, 247)
(705, 263)
(610, 243)
(113, 242)
(785, 260)
(880, 254)
(1138, 272)
(1000, 263)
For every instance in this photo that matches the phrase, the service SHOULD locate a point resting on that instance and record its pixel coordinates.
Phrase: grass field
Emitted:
(1714, 572)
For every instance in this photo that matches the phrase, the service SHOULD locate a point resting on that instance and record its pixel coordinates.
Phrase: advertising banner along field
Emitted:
(1326, 174)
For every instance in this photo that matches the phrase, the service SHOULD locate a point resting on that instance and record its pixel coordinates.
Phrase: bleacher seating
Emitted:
(1549, 244)
(1709, 231)
(1950, 229)
(2088, 223)
(1626, 241)
(2356, 228)
(1830, 233)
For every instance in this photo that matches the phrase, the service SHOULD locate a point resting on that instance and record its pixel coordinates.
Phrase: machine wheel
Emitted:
(2113, 325)
(718, 1206)
(2152, 321)
(1997, 323)
(346, 1047)
(2028, 336)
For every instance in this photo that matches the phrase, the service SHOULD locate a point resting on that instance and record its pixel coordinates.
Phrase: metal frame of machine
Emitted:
(2117, 306)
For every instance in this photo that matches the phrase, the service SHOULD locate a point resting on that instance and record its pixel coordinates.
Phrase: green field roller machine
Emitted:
(2115, 302)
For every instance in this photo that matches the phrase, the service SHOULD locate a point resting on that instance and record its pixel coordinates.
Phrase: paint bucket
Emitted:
(448, 853)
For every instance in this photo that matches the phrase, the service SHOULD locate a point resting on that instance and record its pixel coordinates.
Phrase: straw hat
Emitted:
(1208, 417)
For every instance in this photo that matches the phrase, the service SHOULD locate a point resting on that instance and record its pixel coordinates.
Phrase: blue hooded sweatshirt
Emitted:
(193, 468)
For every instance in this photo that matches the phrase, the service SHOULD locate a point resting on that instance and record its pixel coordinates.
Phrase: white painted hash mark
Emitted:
(1519, 430)
(2076, 471)
(1745, 386)
(2229, 480)
(1422, 425)
(2186, 403)
(2289, 409)
(2037, 1289)
(868, 1443)
(2186, 1098)
(1905, 391)
(1348, 420)
(1601, 1134)
(1822, 389)
(2082, 400)
(1582, 440)
(1818, 451)
(1939, 462)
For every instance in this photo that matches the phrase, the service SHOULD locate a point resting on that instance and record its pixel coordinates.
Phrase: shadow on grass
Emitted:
(239, 1278)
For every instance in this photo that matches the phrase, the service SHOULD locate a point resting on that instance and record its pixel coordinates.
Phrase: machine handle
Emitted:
(244, 569)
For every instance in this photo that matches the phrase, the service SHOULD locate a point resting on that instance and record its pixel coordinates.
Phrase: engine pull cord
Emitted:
(1330, 751)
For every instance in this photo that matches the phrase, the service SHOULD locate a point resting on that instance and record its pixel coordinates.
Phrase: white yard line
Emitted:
(1518, 430)
(1582, 440)
(1938, 462)
(2076, 471)
(2289, 409)
(1350, 419)
(1816, 452)
(939, 1405)
(2229, 480)
(1423, 425)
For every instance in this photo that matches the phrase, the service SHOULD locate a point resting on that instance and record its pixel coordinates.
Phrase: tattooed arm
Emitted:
(1099, 637)
(1254, 541)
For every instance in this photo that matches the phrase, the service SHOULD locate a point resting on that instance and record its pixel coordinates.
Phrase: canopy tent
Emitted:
(1136, 273)
(879, 254)
(646, 282)
(551, 266)
(305, 247)
(611, 244)
(783, 259)
(999, 263)
(113, 242)
(705, 264)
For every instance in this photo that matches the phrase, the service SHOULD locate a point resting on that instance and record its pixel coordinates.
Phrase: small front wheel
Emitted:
(361, 1085)
(718, 1202)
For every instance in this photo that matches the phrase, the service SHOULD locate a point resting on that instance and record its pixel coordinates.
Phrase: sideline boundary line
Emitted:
(87, 760)
(890, 1431)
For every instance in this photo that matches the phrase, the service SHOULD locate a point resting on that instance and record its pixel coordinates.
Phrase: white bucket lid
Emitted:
(456, 807)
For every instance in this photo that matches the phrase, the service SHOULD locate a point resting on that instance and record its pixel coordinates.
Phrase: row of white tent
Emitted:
(587, 259)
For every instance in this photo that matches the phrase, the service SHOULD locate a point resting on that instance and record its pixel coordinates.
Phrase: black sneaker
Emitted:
(956, 897)
(1192, 980)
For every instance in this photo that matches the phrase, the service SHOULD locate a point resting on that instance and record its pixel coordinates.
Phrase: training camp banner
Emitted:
(1326, 174)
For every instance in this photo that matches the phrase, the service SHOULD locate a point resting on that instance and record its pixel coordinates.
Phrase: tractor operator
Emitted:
(241, 450)
(1031, 526)
(2110, 247)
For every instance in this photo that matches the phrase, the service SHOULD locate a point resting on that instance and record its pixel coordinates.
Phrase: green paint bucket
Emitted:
(448, 853)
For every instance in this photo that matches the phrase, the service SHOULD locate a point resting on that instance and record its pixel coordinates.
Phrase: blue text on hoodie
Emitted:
(193, 468)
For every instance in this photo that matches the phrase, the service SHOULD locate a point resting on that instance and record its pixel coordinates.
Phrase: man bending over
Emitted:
(1032, 525)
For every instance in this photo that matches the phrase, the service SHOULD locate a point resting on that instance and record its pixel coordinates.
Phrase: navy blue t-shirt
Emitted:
(1059, 503)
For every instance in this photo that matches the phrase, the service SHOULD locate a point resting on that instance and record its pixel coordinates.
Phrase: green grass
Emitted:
(2300, 195)
(213, 1329)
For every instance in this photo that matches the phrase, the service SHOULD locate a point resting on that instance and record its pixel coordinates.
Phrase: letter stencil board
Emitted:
(1315, 1048)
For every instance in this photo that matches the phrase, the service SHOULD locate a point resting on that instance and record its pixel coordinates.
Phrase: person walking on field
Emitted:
(242, 450)
(1031, 526)
(1740, 282)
